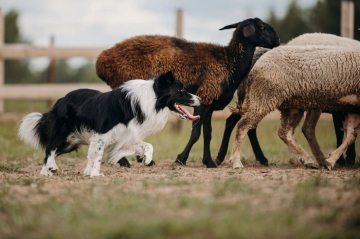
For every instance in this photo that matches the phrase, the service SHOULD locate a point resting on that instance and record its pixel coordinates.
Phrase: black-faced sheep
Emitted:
(294, 79)
(312, 116)
(210, 71)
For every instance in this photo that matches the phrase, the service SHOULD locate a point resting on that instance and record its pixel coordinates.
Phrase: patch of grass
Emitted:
(168, 144)
(353, 183)
(231, 185)
(26, 182)
(9, 168)
(306, 193)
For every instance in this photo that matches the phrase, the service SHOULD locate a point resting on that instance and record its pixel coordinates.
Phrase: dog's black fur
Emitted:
(99, 112)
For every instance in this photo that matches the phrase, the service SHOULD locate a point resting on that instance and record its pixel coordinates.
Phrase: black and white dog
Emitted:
(116, 122)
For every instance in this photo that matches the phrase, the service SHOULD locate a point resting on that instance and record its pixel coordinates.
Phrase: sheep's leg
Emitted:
(230, 124)
(352, 126)
(350, 155)
(207, 160)
(249, 121)
(259, 155)
(195, 135)
(290, 119)
(338, 120)
(308, 129)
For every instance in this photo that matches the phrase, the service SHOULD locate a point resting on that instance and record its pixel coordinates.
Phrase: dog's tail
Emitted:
(29, 130)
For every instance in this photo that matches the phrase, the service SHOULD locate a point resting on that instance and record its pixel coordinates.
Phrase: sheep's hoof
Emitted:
(211, 164)
(179, 163)
(263, 161)
(151, 164)
(218, 161)
(328, 165)
(341, 161)
(123, 162)
(237, 165)
(311, 166)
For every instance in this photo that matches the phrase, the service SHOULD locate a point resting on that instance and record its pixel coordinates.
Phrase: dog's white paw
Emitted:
(52, 167)
(45, 171)
(147, 159)
(87, 170)
(96, 174)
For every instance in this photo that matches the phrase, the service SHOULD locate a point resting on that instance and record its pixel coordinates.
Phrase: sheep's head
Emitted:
(256, 31)
(171, 93)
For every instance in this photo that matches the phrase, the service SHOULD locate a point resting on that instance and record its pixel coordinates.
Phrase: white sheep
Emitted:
(299, 78)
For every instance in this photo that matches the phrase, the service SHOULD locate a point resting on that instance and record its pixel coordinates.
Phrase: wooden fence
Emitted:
(55, 91)
(40, 91)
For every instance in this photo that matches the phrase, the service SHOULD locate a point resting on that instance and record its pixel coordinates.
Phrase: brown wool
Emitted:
(201, 64)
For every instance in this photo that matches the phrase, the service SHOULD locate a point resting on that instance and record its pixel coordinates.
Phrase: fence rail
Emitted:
(20, 51)
(40, 91)
(45, 91)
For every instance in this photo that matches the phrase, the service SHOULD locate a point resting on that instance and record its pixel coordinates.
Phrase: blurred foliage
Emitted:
(324, 17)
(18, 71)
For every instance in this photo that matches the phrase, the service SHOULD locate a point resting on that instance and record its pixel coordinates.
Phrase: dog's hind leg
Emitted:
(49, 166)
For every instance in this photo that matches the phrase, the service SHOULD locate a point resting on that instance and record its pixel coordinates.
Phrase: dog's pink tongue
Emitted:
(189, 116)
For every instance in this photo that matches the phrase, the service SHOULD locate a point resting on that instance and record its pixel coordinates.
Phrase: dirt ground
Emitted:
(165, 201)
(299, 198)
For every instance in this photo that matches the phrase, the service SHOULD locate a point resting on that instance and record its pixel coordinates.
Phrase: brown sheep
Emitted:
(210, 71)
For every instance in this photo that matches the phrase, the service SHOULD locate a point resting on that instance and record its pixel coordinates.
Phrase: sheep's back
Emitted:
(309, 77)
(323, 39)
(200, 64)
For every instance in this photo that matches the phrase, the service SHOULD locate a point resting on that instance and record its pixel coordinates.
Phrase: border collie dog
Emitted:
(116, 122)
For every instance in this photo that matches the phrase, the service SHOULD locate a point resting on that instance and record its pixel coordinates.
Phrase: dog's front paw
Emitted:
(45, 171)
(96, 174)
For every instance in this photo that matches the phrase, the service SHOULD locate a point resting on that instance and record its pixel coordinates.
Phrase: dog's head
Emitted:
(171, 93)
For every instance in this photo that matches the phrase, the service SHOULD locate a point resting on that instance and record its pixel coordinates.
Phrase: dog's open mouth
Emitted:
(184, 114)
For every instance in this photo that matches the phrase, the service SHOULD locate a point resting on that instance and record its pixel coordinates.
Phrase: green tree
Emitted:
(325, 16)
(16, 71)
(274, 21)
(294, 23)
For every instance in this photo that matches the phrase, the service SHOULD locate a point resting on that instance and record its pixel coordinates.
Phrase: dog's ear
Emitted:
(165, 80)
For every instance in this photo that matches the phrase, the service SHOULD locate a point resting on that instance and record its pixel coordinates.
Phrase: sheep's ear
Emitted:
(165, 80)
(249, 30)
(230, 26)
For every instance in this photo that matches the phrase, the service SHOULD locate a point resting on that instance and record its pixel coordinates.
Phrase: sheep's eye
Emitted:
(182, 90)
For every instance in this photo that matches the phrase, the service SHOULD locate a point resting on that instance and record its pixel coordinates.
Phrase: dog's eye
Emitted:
(261, 27)
(182, 90)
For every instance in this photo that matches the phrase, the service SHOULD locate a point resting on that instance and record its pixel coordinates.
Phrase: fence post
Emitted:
(51, 71)
(179, 33)
(2, 64)
(347, 19)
